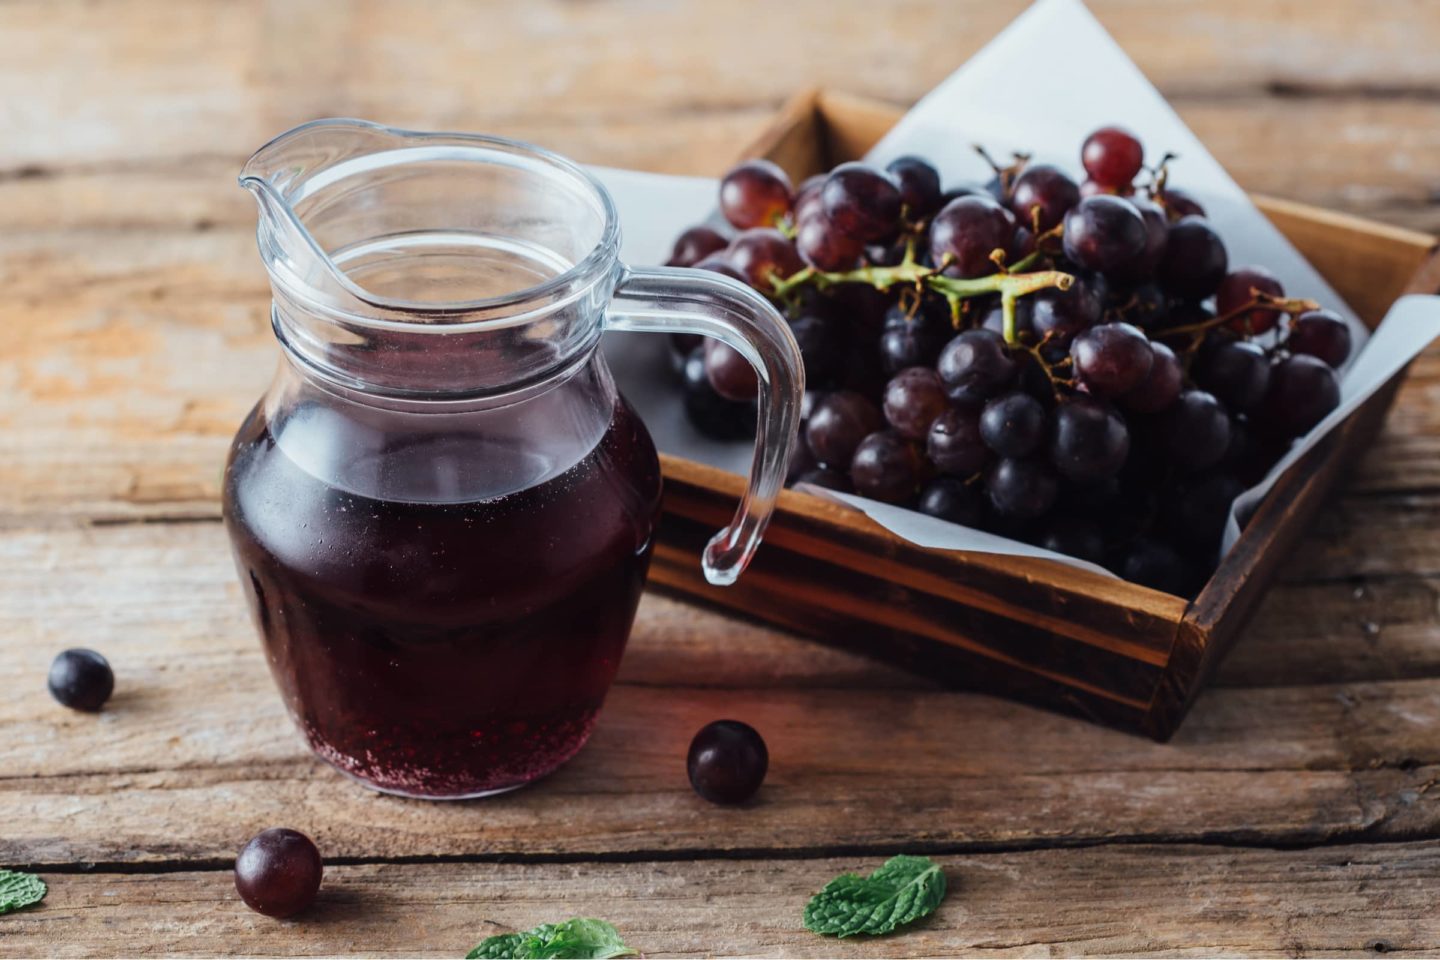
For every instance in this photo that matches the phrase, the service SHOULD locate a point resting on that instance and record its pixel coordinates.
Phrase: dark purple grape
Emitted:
(1013, 425)
(821, 339)
(1043, 188)
(886, 467)
(1112, 156)
(1157, 236)
(862, 202)
(828, 478)
(707, 411)
(1075, 537)
(1239, 288)
(278, 872)
(1153, 564)
(1235, 371)
(1090, 441)
(1197, 430)
(756, 193)
(727, 761)
(955, 444)
(802, 461)
(1161, 386)
(1144, 306)
(1195, 260)
(720, 263)
(1198, 509)
(81, 679)
(1321, 333)
(1022, 489)
(1061, 314)
(952, 499)
(824, 246)
(1112, 359)
(729, 372)
(762, 255)
(919, 184)
(695, 245)
(837, 425)
(1303, 391)
(1178, 204)
(807, 197)
(913, 399)
(966, 232)
(915, 341)
(1089, 188)
(1105, 234)
(976, 365)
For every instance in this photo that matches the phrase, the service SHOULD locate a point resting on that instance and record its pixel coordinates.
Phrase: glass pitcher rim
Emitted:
(579, 275)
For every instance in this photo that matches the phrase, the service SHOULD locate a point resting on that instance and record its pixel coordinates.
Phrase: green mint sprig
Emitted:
(577, 939)
(902, 891)
(19, 890)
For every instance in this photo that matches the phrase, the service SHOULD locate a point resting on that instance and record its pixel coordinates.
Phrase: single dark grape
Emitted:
(1022, 489)
(976, 365)
(1045, 191)
(756, 193)
(1303, 390)
(278, 872)
(1112, 156)
(821, 339)
(1237, 372)
(862, 201)
(1156, 565)
(952, 499)
(727, 761)
(720, 263)
(824, 246)
(1112, 359)
(1321, 333)
(1197, 430)
(762, 255)
(915, 341)
(1105, 234)
(707, 411)
(1161, 386)
(1157, 237)
(1178, 204)
(1089, 188)
(1145, 306)
(1013, 425)
(955, 444)
(729, 372)
(966, 232)
(828, 478)
(695, 245)
(1239, 288)
(807, 197)
(913, 399)
(919, 185)
(1090, 441)
(1195, 260)
(81, 679)
(837, 425)
(1061, 314)
(886, 467)
(1075, 537)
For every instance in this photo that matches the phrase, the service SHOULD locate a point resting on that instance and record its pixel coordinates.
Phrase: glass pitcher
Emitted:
(442, 510)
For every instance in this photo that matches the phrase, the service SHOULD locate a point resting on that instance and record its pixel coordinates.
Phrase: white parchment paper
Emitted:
(1041, 86)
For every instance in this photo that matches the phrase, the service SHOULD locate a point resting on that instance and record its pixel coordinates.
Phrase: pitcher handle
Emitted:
(674, 300)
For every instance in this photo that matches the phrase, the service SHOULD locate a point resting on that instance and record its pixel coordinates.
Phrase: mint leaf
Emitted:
(577, 939)
(900, 892)
(19, 890)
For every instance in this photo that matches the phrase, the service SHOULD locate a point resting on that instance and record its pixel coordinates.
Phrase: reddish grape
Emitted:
(1321, 333)
(278, 872)
(1091, 442)
(1013, 425)
(837, 425)
(729, 372)
(1112, 156)
(727, 761)
(966, 232)
(825, 247)
(1043, 188)
(919, 184)
(976, 365)
(1235, 371)
(757, 193)
(1161, 385)
(1303, 391)
(1195, 260)
(955, 444)
(1105, 234)
(886, 467)
(1112, 359)
(1089, 188)
(1197, 430)
(807, 197)
(695, 245)
(952, 499)
(720, 263)
(862, 201)
(1239, 288)
(914, 398)
(763, 255)
(1022, 489)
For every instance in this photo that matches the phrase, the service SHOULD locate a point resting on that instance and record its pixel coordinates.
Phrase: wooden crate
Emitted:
(1104, 649)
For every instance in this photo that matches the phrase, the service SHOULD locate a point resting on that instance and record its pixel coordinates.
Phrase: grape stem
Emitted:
(1033, 257)
(1290, 305)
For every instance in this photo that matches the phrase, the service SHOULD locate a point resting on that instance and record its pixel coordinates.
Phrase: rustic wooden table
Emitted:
(1293, 814)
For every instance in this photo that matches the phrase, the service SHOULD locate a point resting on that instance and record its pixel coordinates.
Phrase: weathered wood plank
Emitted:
(1108, 901)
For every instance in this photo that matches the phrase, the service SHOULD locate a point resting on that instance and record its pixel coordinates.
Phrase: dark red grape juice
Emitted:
(436, 648)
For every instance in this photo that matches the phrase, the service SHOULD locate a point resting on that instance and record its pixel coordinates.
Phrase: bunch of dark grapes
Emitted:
(1073, 364)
